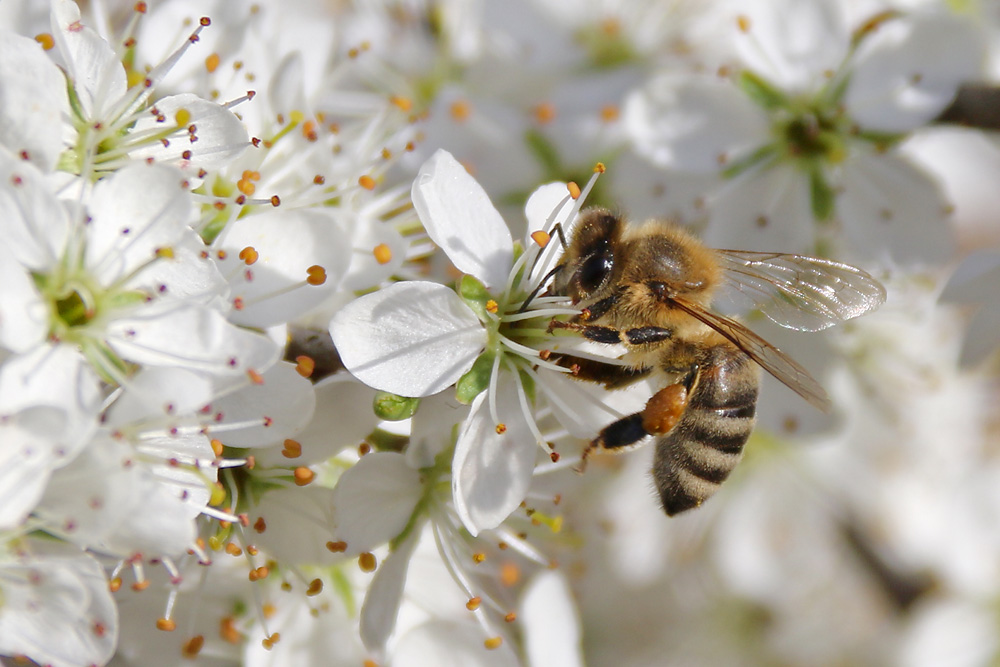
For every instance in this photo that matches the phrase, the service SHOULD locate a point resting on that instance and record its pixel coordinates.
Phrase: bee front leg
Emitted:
(662, 413)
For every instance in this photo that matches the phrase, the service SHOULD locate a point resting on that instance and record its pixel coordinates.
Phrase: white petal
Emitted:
(276, 408)
(26, 460)
(221, 136)
(57, 608)
(792, 43)
(288, 243)
(551, 622)
(187, 335)
(136, 211)
(345, 415)
(55, 376)
(94, 68)
(766, 209)
(34, 224)
(373, 501)
(411, 339)
(548, 206)
(431, 428)
(459, 217)
(298, 525)
(157, 392)
(491, 471)
(908, 71)
(890, 207)
(441, 643)
(23, 314)
(693, 124)
(110, 498)
(378, 613)
(365, 271)
(187, 274)
(32, 100)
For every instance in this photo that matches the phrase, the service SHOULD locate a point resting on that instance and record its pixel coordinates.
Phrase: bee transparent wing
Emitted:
(771, 359)
(796, 291)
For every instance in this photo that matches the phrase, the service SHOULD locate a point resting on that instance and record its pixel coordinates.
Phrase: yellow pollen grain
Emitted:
(309, 130)
(233, 549)
(304, 365)
(544, 113)
(404, 103)
(541, 238)
(115, 584)
(46, 40)
(493, 643)
(460, 110)
(336, 547)
(574, 190)
(743, 23)
(501, 429)
(492, 306)
(473, 603)
(478, 557)
(367, 562)
(292, 449)
(212, 62)
(192, 647)
(383, 253)
(367, 182)
(249, 255)
(269, 642)
(255, 377)
(268, 609)
(166, 624)
(316, 275)
(315, 587)
(303, 476)
(599, 168)
(511, 617)
(510, 574)
(182, 117)
(140, 586)
(260, 525)
(165, 252)
(609, 113)
(227, 630)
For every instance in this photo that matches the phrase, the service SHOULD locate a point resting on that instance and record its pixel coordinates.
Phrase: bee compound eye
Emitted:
(595, 271)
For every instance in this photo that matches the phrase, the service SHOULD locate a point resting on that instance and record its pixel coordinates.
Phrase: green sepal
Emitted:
(761, 91)
(474, 293)
(544, 151)
(343, 588)
(384, 441)
(476, 380)
(821, 195)
(762, 154)
(393, 407)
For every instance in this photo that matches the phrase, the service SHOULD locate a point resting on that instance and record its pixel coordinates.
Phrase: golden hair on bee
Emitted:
(650, 287)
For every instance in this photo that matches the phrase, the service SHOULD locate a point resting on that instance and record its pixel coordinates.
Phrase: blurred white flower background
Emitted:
(275, 377)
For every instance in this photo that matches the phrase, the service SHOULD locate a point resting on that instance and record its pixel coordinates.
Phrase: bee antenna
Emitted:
(538, 288)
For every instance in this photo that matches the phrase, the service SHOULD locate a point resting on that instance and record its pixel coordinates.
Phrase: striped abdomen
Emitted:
(699, 453)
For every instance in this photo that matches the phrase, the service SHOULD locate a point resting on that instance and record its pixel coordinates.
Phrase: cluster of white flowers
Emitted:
(276, 383)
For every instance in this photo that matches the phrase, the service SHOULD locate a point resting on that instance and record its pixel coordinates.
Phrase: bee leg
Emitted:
(662, 413)
(612, 376)
(610, 336)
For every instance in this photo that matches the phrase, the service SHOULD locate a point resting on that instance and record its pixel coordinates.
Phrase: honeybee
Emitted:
(650, 287)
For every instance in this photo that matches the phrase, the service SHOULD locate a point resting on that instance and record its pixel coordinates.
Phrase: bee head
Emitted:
(588, 264)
